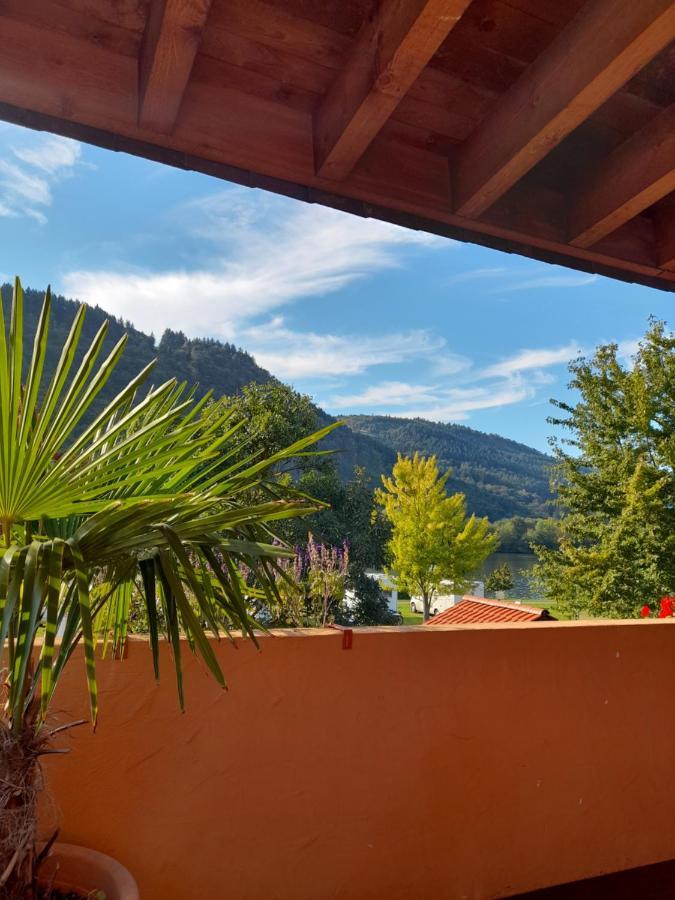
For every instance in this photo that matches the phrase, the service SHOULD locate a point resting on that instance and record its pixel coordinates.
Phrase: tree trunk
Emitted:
(20, 785)
(426, 600)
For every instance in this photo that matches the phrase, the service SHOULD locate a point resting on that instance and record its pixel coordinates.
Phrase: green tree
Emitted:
(500, 579)
(432, 538)
(615, 476)
(272, 416)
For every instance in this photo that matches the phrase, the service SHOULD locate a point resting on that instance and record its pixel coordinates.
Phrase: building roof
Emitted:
(473, 610)
(540, 127)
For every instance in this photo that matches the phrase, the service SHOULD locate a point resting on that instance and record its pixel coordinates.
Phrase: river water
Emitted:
(521, 565)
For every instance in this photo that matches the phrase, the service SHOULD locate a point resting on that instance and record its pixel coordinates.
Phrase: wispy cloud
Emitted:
(564, 280)
(528, 360)
(31, 164)
(506, 383)
(457, 404)
(518, 278)
(434, 402)
(305, 354)
(386, 393)
(447, 363)
(264, 255)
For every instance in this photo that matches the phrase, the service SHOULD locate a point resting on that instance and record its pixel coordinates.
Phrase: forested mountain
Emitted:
(500, 478)
(208, 363)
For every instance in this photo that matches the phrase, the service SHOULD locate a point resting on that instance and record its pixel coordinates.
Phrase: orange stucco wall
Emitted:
(422, 763)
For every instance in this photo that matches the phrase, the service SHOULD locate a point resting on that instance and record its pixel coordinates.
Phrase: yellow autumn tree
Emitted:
(432, 539)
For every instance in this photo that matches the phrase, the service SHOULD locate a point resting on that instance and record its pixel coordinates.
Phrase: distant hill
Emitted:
(500, 478)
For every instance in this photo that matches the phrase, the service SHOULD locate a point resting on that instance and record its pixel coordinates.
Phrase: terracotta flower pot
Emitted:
(73, 868)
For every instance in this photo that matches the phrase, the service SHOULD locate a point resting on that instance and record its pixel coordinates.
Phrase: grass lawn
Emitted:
(408, 617)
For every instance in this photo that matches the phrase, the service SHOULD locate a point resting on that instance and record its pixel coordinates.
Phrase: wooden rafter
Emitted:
(390, 52)
(599, 51)
(664, 216)
(640, 172)
(170, 43)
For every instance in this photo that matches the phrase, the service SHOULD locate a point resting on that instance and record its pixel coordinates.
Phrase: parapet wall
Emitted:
(464, 763)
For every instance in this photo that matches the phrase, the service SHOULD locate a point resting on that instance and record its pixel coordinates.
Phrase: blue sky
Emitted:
(361, 315)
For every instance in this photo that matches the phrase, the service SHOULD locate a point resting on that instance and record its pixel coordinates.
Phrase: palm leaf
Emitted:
(146, 500)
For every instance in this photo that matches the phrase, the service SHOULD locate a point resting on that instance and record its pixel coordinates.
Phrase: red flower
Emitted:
(666, 607)
(645, 612)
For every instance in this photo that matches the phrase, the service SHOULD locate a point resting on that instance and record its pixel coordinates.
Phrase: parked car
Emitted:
(443, 601)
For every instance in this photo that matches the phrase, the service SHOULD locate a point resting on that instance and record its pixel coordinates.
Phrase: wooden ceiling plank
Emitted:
(170, 42)
(599, 51)
(640, 172)
(389, 54)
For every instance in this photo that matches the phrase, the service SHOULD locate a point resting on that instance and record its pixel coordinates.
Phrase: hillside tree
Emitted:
(432, 538)
(615, 477)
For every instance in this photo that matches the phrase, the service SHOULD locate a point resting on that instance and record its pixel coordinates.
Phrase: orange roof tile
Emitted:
(472, 610)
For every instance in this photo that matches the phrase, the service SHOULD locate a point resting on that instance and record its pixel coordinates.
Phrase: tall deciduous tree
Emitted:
(432, 538)
(615, 476)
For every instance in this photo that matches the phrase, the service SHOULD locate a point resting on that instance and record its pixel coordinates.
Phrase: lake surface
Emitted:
(521, 565)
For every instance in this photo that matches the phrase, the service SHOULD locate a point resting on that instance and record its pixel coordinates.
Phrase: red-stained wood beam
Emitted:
(606, 43)
(170, 42)
(389, 53)
(664, 223)
(640, 172)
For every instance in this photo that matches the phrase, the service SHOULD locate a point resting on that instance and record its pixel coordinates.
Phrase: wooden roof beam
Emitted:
(606, 43)
(170, 42)
(389, 53)
(639, 173)
(664, 223)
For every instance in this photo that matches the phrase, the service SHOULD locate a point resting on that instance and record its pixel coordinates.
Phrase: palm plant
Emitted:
(142, 499)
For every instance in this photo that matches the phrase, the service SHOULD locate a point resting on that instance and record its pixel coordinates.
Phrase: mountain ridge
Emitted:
(500, 477)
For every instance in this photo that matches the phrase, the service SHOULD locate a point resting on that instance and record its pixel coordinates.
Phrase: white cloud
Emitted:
(304, 354)
(457, 404)
(386, 393)
(627, 349)
(31, 163)
(260, 255)
(263, 258)
(439, 404)
(506, 383)
(448, 363)
(563, 280)
(51, 154)
(529, 360)
(521, 279)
